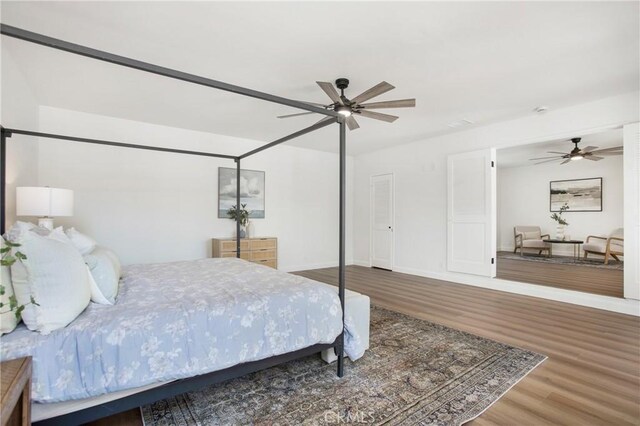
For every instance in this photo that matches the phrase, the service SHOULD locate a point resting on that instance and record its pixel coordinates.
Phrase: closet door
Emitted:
(382, 221)
(471, 213)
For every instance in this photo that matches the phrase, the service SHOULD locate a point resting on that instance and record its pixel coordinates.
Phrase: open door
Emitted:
(382, 221)
(471, 212)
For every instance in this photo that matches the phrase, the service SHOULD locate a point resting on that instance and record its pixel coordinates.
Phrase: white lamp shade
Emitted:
(43, 201)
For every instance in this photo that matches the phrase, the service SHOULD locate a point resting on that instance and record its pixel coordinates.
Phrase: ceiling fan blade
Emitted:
(556, 152)
(607, 152)
(313, 103)
(593, 158)
(376, 90)
(295, 115)
(401, 103)
(324, 119)
(330, 91)
(548, 161)
(546, 158)
(566, 161)
(378, 116)
(612, 149)
(352, 124)
(589, 148)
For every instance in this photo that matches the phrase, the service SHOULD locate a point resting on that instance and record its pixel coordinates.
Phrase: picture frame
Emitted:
(581, 195)
(252, 191)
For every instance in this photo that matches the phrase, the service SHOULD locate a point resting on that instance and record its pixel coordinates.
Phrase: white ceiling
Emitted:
(520, 156)
(484, 62)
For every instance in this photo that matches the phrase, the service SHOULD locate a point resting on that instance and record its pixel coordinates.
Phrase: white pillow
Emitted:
(105, 271)
(55, 275)
(8, 320)
(19, 228)
(82, 242)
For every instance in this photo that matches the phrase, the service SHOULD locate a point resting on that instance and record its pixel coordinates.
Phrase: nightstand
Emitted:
(15, 391)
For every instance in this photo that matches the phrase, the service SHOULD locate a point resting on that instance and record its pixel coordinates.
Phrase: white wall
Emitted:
(523, 199)
(421, 180)
(155, 207)
(18, 110)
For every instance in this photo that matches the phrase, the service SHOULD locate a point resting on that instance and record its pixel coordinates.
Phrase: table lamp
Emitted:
(44, 202)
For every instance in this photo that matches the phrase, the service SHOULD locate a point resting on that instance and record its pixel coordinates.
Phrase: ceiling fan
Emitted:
(589, 153)
(351, 108)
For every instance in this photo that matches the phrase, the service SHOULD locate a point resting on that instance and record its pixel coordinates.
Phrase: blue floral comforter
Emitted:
(176, 320)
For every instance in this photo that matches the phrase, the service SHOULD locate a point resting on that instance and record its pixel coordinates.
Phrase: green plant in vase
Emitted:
(241, 215)
(561, 222)
(9, 257)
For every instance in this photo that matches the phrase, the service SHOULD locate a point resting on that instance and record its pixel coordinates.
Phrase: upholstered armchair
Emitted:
(611, 246)
(531, 238)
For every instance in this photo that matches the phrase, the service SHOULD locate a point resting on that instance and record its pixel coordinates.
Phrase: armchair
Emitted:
(611, 246)
(530, 237)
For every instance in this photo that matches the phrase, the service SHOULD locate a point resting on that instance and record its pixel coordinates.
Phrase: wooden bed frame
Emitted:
(196, 382)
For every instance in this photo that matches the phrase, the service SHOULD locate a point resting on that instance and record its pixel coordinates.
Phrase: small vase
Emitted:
(249, 229)
(560, 232)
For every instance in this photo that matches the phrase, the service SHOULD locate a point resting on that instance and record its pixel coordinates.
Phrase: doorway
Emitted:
(382, 221)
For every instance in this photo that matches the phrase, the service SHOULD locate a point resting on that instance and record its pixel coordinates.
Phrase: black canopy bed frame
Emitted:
(188, 384)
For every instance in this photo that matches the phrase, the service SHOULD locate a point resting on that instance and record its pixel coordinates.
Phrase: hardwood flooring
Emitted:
(606, 282)
(592, 374)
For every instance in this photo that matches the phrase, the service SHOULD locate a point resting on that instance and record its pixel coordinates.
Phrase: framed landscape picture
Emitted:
(251, 191)
(581, 195)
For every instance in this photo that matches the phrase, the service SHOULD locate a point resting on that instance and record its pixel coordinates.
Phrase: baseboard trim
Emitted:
(613, 304)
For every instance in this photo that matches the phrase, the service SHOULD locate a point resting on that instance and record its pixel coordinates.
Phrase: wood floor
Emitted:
(592, 375)
(606, 282)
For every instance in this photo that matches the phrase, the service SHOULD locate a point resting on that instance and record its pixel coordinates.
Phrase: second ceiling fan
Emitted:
(588, 153)
(355, 107)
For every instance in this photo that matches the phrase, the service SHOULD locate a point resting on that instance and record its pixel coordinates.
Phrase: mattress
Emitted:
(177, 320)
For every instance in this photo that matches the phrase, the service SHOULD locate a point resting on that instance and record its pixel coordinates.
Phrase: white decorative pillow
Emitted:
(55, 275)
(8, 320)
(105, 271)
(19, 228)
(531, 235)
(82, 242)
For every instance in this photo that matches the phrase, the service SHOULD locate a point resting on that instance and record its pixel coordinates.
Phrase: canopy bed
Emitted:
(192, 380)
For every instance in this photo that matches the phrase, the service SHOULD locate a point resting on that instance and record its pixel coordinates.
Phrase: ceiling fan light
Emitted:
(343, 110)
(576, 158)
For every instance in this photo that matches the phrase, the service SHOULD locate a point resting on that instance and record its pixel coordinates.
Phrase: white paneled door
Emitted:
(382, 221)
(471, 213)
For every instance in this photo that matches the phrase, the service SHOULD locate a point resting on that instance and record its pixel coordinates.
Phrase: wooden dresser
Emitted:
(258, 250)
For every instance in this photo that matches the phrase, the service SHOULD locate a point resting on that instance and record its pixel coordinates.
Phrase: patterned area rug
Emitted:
(564, 260)
(415, 372)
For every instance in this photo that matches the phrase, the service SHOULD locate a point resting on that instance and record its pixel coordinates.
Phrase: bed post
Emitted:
(341, 275)
(3, 177)
(237, 207)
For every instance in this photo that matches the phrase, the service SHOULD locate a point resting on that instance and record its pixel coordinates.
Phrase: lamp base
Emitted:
(46, 222)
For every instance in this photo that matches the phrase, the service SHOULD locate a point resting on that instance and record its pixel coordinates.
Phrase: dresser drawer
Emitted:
(226, 246)
(268, 254)
(272, 263)
(263, 243)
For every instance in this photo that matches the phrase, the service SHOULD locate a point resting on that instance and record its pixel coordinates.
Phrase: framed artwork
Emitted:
(581, 195)
(251, 191)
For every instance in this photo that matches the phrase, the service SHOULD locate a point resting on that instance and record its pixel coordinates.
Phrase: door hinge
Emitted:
(493, 260)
